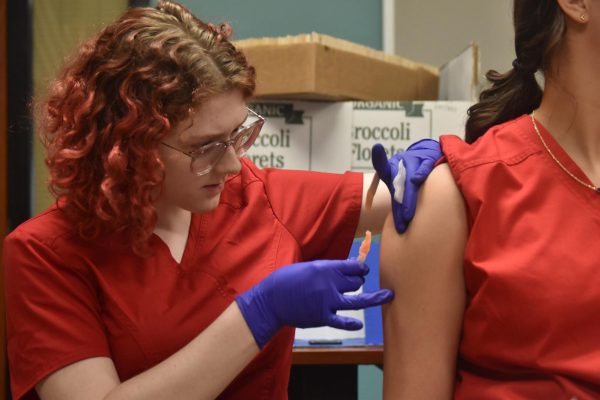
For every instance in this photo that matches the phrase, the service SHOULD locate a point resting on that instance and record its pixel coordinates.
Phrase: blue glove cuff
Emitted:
(261, 322)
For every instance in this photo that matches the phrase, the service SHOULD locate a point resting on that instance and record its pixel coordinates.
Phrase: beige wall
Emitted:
(434, 31)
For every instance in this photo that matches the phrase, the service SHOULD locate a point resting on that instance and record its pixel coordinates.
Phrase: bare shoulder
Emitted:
(438, 230)
(440, 206)
(441, 180)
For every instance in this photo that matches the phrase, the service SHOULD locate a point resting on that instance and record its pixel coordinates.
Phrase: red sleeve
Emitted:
(321, 210)
(452, 146)
(53, 313)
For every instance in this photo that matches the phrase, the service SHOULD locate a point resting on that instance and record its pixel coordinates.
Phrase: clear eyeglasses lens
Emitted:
(208, 156)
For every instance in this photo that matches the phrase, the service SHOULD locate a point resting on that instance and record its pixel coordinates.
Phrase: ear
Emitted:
(575, 10)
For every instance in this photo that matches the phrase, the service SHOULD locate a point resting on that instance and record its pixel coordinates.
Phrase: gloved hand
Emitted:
(307, 295)
(403, 173)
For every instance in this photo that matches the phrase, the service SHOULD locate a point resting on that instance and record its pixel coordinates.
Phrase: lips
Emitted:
(216, 187)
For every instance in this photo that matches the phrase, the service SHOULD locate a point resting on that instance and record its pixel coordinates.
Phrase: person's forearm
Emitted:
(307, 294)
(373, 218)
(201, 369)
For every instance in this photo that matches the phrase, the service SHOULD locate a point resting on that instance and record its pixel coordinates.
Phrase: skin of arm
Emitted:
(200, 370)
(424, 267)
(374, 218)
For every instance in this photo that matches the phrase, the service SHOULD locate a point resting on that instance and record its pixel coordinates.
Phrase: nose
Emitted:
(229, 164)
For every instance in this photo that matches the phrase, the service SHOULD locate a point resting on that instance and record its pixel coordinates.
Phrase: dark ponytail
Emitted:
(539, 27)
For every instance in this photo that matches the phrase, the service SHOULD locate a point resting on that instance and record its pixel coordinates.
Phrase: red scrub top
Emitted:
(68, 299)
(532, 269)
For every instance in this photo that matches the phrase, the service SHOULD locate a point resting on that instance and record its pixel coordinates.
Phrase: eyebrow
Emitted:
(214, 137)
(206, 138)
(201, 141)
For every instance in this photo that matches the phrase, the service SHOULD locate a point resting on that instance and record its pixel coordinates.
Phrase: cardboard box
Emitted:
(459, 77)
(398, 124)
(338, 136)
(319, 67)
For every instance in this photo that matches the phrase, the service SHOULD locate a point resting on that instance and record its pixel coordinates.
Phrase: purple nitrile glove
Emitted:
(307, 295)
(403, 174)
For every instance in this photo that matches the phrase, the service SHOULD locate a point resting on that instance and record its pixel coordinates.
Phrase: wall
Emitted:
(434, 31)
(58, 27)
(355, 20)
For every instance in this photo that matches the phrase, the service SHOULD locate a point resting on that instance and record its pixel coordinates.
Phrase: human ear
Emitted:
(575, 10)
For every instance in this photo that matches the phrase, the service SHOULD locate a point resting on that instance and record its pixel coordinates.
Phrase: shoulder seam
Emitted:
(48, 241)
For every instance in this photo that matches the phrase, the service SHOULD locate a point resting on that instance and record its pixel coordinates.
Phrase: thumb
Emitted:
(380, 162)
(399, 222)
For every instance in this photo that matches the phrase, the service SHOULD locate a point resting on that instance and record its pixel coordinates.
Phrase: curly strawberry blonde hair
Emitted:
(114, 102)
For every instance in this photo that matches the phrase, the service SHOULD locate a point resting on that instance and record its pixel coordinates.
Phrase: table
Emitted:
(329, 372)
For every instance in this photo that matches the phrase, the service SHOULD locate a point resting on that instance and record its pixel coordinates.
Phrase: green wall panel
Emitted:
(359, 21)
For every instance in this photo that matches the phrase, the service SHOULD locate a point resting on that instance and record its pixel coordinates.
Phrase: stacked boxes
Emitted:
(337, 137)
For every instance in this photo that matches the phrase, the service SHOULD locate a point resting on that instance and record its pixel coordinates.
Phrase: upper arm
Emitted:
(424, 268)
(90, 379)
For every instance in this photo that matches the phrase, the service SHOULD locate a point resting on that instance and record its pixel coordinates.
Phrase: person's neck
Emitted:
(172, 219)
(172, 227)
(570, 110)
(573, 123)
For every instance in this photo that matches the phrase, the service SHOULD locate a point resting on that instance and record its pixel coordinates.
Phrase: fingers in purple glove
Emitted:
(347, 323)
(380, 162)
(399, 222)
(425, 144)
(418, 160)
(409, 200)
(351, 283)
(365, 300)
(410, 207)
(423, 172)
(351, 267)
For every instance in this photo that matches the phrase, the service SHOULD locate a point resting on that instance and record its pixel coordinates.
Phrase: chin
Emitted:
(205, 205)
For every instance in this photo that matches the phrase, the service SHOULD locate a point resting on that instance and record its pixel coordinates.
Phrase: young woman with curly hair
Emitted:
(508, 304)
(158, 271)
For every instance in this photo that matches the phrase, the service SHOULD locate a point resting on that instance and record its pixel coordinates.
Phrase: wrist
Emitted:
(258, 316)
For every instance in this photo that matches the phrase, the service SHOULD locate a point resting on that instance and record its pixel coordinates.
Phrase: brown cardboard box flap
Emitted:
(319, 67)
